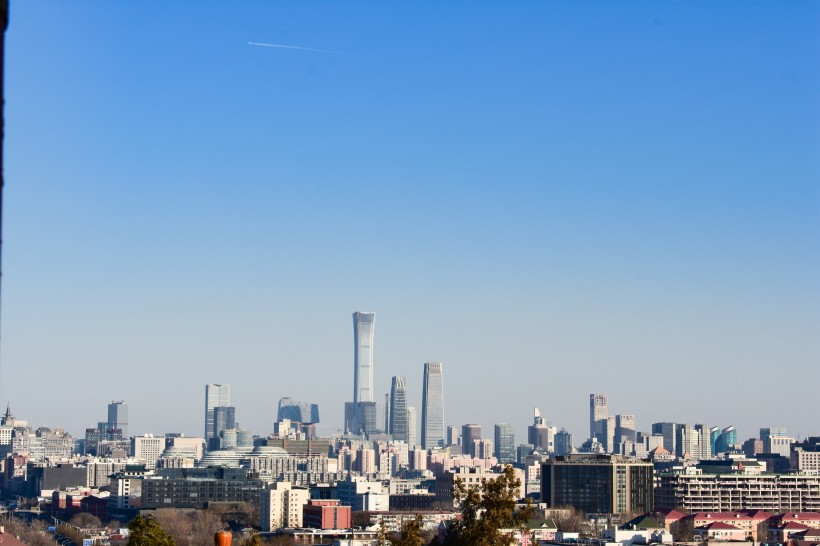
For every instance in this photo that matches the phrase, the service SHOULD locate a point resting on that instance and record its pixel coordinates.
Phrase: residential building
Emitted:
(598, 483)
(471, 477)
(693, 490)
(281, 505)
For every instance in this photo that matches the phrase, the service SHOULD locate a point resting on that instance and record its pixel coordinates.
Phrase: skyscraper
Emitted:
(598, 413)
(505, 443)
(118, 417)
(412, 439)
(432, 406)
(398, 409)
(215, 395)
(363, 328)
(469, 435)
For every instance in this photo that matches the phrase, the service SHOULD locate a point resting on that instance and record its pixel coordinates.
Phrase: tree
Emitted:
(253, 540)
(487, 509)
(683, 530)
(145, 531)
(85, 520)
(176, 523)
(569, 520)
(410, 535)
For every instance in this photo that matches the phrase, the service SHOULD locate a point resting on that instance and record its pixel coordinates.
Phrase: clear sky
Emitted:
(551, 198)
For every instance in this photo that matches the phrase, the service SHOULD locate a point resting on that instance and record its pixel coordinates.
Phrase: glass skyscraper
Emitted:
(398, 409)
(432, 406)
(363, 327)
(505, 443)
(215, 395)
(118, 417)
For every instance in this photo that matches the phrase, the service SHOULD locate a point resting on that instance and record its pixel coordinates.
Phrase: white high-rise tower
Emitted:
(363, 328)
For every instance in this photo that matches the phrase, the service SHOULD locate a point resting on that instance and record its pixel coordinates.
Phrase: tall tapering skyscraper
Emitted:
(398, 409)
(118, 417)
(215, 395)
(432, 406)
(598, 412)
(363, 328)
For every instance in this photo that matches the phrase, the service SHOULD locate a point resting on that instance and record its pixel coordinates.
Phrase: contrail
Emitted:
(282, 46)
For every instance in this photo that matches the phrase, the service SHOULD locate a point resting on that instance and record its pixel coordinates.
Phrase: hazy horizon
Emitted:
(551, 199)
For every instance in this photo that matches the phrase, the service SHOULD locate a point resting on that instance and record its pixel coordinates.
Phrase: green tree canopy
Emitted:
(147, 532)
(487, 509)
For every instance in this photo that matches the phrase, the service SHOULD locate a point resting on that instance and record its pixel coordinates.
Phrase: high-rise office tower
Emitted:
(505, 443)
(541, 434)
(363, 329)
(387, 413)
(625, 430)
(669, 431)
(118, 417)
(215, 395)
(412, 438)
(452, 436)
(224, 419)
(469, 435)
(598, 412)
(432, 406)
(398, 409)
(563, 442)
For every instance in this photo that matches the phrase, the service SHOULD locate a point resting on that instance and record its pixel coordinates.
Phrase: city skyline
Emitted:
(552, 199)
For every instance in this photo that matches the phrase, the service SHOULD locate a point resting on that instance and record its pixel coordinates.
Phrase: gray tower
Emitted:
(432, 406)
(215, 396)
(398, 409)
(118, 417)
(363, 328)
(505, 443)
(598, 412)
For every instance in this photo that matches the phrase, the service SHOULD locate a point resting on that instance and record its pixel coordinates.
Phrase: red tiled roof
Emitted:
(800, 515)
(673, 515)
(792, 525)
(720, 526)
(717, 516)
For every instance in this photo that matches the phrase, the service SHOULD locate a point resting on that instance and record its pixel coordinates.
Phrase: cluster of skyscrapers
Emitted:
(361, 416)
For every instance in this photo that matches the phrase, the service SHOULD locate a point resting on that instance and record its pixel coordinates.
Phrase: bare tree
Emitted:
(84, 520)
(176, 523)
(569, 520)
(204, 524)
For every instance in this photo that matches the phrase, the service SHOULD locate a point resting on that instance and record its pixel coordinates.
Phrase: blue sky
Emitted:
(552, 198)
